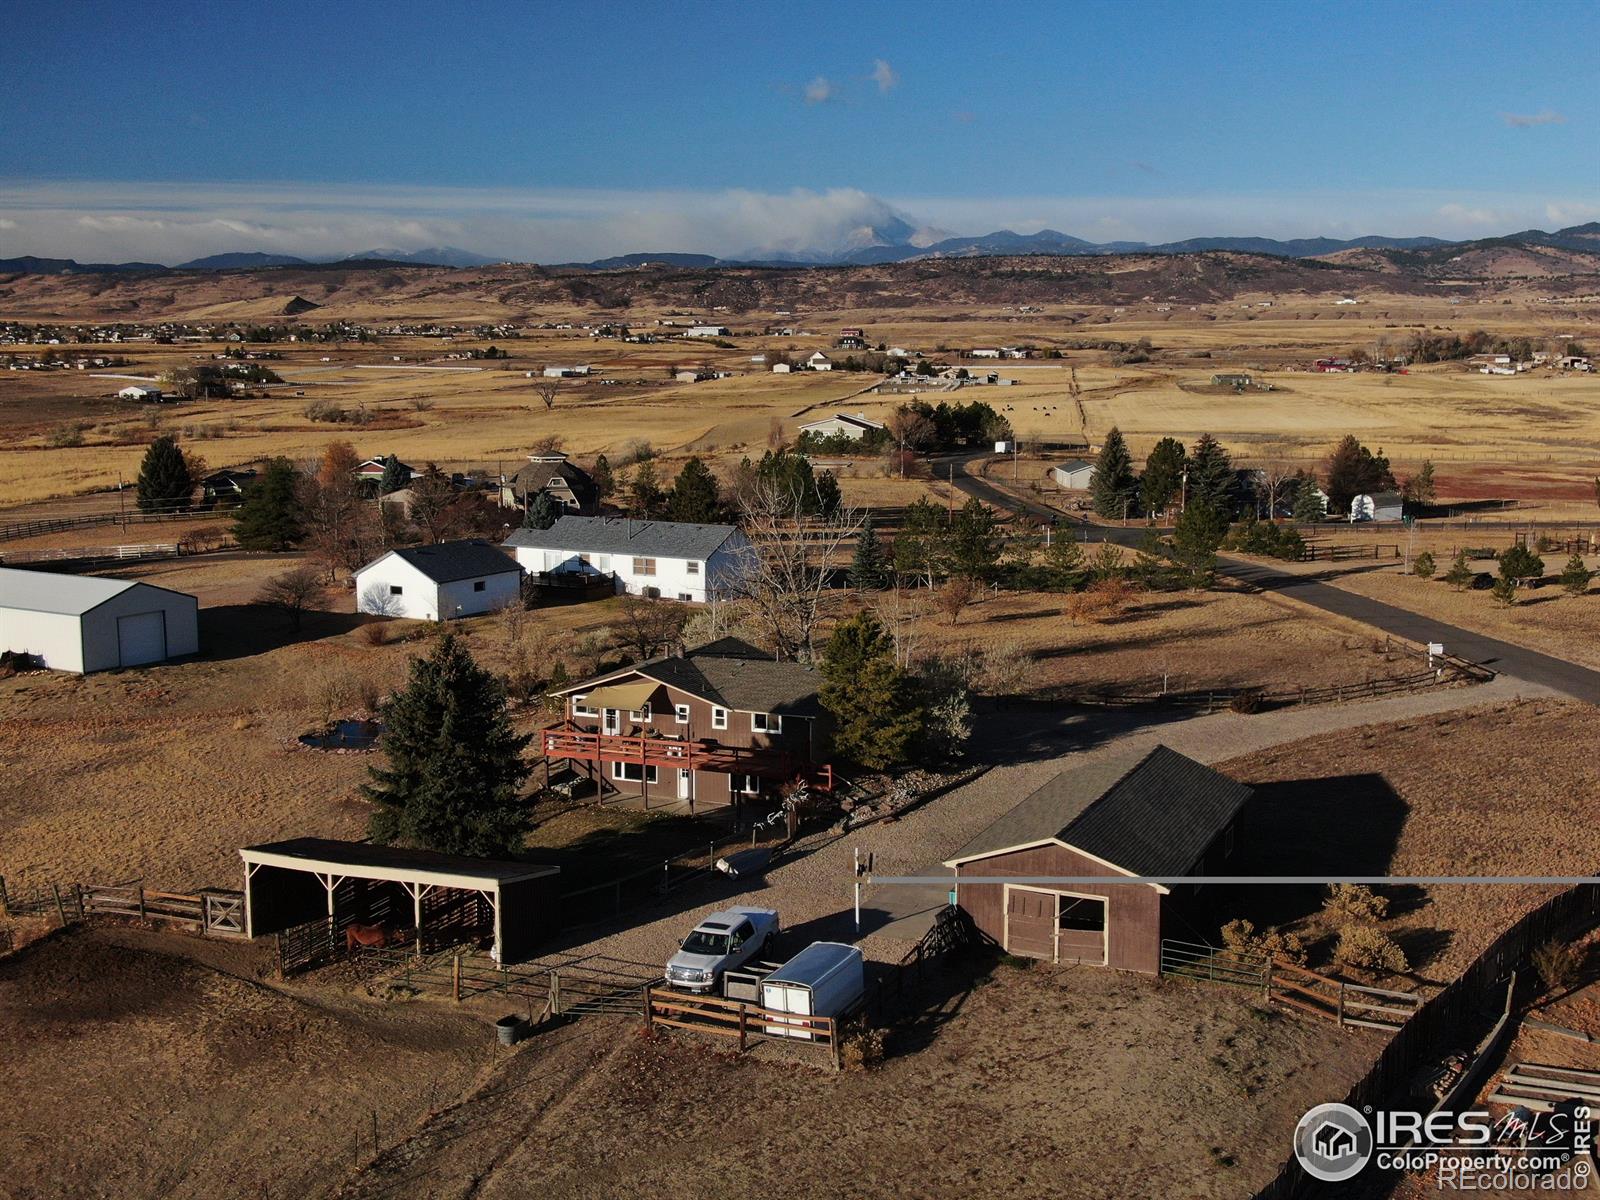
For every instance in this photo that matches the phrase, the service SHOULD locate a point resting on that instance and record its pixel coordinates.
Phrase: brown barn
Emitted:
(1148, 814)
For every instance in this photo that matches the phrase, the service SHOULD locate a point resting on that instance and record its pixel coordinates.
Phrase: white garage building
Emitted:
(84, 623)
(438, 583)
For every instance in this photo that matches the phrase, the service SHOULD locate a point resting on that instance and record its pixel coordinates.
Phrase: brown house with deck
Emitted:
(1152, 814)
(720, 724)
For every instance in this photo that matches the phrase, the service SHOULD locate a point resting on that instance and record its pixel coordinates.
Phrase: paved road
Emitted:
(1570, 679)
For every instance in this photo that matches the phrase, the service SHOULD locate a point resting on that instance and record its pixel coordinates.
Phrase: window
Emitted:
(633, 772)
(644, 566)
(479, 584)
(719, 718)
(748, 785)
(766, 722)
(685, 596)
(639, 714)
(396, 590)
(681, 712)
(602, 563)
(691, 567)
(579, 709)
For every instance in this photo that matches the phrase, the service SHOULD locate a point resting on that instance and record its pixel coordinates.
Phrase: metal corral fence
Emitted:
(214, 912)
(1437, 1027)
(568, 984)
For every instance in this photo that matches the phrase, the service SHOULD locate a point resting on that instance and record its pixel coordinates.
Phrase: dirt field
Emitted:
(134, 1072)
(1504, 790)
(1185, 640)
(1186, 1089)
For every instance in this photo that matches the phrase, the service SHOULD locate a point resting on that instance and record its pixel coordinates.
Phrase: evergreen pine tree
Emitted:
(1459, 575)
(1212, 483)
(165, 481)
(876, 708)
(542, 511)
(645, 494)
(604, 481)
(1575, 576)
(1162, 480)
(1064, 563)
(1112, 487)
(395, 475)
(869, 569)
(1309, 506)
(1195, 539)
(454, 768)
(694, 495)
(973, 542)
(828, 494)
(1423, 566)
(271, 517)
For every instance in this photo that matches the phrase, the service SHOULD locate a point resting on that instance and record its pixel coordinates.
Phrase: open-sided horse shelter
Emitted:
(440, 898)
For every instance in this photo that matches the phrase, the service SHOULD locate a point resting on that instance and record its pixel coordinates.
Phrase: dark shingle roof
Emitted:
(620, 535)
(449, 561)
(536, 476)
(734, 675)
(1149, 812)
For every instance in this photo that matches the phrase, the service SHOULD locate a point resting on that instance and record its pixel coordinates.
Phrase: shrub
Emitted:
(1557, 963)
(375, 633)
(1368, 947)
(861, 1049)
(1353, 904)
(1240, 936)
(1266, 539)
(1422, 565)
(1459, 575)
(1247, 701)
(1505, 591)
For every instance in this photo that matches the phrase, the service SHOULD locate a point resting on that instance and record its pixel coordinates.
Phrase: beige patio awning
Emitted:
(630, 697)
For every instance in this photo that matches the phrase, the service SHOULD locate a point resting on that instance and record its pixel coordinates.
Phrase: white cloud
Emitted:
(174, 222)
(1528, 120)
(884, 75)
(819, 91)
(1560, 215)
(1464, 214)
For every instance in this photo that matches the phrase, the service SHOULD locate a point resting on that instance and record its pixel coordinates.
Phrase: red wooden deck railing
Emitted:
(568, 742)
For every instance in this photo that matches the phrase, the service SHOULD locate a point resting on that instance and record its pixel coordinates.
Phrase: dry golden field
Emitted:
(1532, 435)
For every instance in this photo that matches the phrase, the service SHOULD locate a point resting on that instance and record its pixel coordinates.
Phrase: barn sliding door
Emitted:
(1030, 922)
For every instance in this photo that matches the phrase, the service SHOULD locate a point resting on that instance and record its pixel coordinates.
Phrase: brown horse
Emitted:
(355, 936)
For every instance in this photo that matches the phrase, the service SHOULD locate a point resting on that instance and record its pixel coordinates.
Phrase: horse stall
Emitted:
(387, 895)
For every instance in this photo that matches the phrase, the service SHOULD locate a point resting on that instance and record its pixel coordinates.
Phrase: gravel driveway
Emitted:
(813, 891)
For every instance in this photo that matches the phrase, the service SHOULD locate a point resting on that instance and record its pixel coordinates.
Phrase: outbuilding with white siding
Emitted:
(84, 623)
(437, 583)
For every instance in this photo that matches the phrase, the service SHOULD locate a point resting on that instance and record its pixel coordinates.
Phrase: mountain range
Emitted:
(889, 242)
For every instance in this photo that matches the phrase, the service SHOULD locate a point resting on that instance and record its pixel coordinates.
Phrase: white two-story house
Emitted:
(672, 560)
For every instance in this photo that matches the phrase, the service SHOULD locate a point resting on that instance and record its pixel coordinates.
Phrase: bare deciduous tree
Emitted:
(547, 390)
(649, 627)
(292, 592)
(910, 431)
(785, 568)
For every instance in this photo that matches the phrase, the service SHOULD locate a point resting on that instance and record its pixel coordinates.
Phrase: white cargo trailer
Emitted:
(826, 979)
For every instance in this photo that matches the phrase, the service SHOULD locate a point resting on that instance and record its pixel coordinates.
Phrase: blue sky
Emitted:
(566, 130)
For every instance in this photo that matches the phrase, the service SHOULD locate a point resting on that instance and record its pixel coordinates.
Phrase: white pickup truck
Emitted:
(723, 941)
